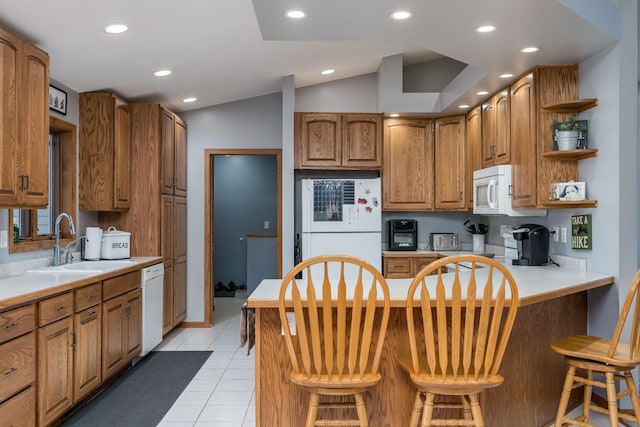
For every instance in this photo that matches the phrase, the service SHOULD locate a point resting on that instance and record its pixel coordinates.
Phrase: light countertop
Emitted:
(535, 284)
(31, 286)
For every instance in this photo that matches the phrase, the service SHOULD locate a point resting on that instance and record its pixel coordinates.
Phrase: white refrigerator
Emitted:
(342, 216)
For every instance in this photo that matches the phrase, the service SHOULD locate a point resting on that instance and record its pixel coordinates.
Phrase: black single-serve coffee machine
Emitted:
(533, 244)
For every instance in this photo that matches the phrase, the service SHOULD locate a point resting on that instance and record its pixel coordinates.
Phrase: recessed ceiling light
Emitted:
(463, 106)
(328, 71)
(192, 99)
(296, 14)
(530, 49)
(162, 73)
(482, 92)
(116, 28)
(506, 75)
(401, 15)
(486, 29)
(394, 115)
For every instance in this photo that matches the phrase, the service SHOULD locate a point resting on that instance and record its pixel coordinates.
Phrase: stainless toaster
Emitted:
(444, 241)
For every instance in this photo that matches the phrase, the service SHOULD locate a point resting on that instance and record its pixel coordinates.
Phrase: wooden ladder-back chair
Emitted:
(341, 314)
(459, 325)
(604, 358)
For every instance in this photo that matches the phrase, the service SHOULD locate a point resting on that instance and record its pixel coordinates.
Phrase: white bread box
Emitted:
(115, 244)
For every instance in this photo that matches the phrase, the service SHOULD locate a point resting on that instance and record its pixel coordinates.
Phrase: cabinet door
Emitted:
(523, 149)
(180, 260)
(180, 158)
(167, 301)
(407, 176)
(474, 149)
(55, 370)
(87, 351)
(318, 136)
(133, 324)
(503, 128)
(167, 141)
(450, 163)
(10, 59)
(122, 155)
(33, 150)
(113, 329)
(488, 133)
(362, 140)
(167, 231)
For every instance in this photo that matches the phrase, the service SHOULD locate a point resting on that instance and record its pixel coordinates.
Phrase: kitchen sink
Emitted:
(84, 267)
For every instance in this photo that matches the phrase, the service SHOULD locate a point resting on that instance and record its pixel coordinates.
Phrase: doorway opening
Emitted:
(243, 223)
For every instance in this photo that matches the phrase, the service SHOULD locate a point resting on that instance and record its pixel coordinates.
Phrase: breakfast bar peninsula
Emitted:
(553, 305)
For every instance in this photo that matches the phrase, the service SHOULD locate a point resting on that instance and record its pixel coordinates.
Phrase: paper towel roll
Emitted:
(93, 243)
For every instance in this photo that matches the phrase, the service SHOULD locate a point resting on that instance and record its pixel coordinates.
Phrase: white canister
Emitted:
(478, 242)
(93, 243)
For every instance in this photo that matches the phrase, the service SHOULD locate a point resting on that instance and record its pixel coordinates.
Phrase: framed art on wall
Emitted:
(57, 100)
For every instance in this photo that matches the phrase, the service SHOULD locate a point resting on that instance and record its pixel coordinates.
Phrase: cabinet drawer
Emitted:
(399, 265)
(88, 296)
(422, 262)
(17, 365)
(120, 285)
(55, 308)
(21, 410)
(17, 322)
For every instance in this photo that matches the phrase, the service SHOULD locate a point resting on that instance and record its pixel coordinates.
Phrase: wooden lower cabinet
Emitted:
(406, 266)
(87, 355)
(121, 331)
(20, 411)
(55, 370)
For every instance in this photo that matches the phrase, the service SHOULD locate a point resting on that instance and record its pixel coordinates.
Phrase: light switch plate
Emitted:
(3, 238)
(266, 225)
(563, 234)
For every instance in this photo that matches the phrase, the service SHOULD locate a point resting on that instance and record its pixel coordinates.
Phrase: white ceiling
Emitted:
(226, 50)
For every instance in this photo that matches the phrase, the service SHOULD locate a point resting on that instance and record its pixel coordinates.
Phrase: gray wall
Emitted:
(245, 196)
(430, 76)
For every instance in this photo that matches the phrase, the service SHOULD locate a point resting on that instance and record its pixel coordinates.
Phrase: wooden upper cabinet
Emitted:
(496, 130)
(24, 123)
(174, 154)
(523, 132)
(450, 163)
(105, 152)
(474, 149)
(338, 141)
(407, 176)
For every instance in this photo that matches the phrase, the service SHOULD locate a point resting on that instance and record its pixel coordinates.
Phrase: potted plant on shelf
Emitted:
(568, 133)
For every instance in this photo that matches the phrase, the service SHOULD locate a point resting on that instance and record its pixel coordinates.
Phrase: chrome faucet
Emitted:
(72, 230)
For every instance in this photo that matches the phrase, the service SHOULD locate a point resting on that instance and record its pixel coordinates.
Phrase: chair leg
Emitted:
(362, 410)
(312, 412)
(476, 411)
(566, 394)
(612, 398)
(587, 397)
(466, 408)
(635, 402)
(417, 409)
(427, 410)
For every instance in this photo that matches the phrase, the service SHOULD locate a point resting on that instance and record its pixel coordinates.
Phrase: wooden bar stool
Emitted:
(341, 313)
(457, 340)
(603, 358)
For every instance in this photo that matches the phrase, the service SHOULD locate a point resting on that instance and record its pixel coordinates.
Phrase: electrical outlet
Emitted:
(503, 229)
(556, 234)
(3, 238)
(266, 225)
(291, 318)
(563, 234)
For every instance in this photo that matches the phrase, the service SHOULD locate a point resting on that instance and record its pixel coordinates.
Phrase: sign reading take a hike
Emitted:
(581, 231)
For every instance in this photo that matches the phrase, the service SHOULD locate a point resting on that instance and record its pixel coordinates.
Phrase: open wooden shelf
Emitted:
(570, 204)
(570, 106)
(571, 154)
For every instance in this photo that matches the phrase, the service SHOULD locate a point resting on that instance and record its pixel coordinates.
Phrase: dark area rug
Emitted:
(143, 394)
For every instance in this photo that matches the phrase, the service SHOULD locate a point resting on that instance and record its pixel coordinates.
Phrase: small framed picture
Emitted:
(57, 100)
(570, 191)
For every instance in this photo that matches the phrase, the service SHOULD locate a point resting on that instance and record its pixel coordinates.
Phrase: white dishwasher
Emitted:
(152, 292)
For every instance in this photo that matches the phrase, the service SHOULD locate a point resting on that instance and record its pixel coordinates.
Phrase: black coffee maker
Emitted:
(533, 244)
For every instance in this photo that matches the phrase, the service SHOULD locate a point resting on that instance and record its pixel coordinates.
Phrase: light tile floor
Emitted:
(222, 393)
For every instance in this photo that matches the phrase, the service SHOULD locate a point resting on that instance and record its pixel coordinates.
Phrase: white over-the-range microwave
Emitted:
(492, 193)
